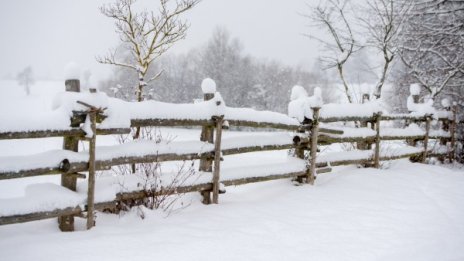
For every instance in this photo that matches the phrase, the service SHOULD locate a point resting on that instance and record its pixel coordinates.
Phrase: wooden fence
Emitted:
(315, 132)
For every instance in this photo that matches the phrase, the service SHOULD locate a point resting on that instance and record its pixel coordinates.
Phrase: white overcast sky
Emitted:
(48, 34)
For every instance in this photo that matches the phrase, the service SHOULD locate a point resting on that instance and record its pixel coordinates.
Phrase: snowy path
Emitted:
(408, 212)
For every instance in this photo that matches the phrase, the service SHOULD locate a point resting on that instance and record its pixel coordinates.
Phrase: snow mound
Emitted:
(420, 109)
(300, 106)
(72, 71)
(208, 85)
(298, 92)
(445, 103)
(367, 109)
(414, 89)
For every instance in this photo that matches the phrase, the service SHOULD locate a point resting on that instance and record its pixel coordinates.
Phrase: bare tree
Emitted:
(146, 35)
(26, 79)
(380, 22)
(432, 45)
(341, 44)
(383, 23)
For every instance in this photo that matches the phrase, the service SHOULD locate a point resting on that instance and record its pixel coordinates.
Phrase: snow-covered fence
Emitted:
(302, 134)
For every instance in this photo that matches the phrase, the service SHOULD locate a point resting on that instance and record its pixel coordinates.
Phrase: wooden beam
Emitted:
(271, 125)
(169, 122)
(72, 132)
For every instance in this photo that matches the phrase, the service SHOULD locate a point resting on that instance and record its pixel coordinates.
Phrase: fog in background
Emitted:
(48, 34)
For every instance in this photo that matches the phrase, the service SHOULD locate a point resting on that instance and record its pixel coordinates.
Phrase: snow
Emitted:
(367, 109)
(49, 159)
(411, 130)
(445, 103)
(365, 88)
(440, 133)
(300, 106)
(415, 89)
(68, 101)
(139, 148)
(298, 92)
(72, 71)
(385, 151)
(41, 197)
(255, 139)
(407, 212)
(246, 114)
(208, 86)
(420, 109)
(349, 132)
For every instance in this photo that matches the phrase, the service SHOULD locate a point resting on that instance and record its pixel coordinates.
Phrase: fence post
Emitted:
(377, 141)
(66, 223)
(91, 187)
(207, 135)
(453, 128)
(313, 151)
(217, 158)
(445, 126)
(428, 119)
(362, 145)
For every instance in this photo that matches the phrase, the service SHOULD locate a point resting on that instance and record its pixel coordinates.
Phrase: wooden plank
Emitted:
(248, 180)
(377, 142)
(169, 122)
(106, 164)
(271, 125)
(343, 119)
(73, 132)
(232, 151)
(365, 160)
(453, 128)
(311, 175)
(71, 211)
(217, 159)
(426, 139)
(91, 180)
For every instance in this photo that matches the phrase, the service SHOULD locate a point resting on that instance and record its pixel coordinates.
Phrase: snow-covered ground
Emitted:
(403, 212)
(407, 212)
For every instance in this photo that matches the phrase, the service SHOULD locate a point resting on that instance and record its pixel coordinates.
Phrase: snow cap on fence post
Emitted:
(446, 103)
(317, 100)
(298, 92)
(365, 92)
(414, 90)
(72, 71)
(301, 106)
(208, 86)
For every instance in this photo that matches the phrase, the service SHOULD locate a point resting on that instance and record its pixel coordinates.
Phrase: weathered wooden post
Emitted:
(377, 141)
(217, 158)
(362, 145)
(414, 90)
(92, 117)
(208, 87)
(428, 119)
(453, 128)
(91, 185)
(445, 127)
(313, 151)
(66, 223)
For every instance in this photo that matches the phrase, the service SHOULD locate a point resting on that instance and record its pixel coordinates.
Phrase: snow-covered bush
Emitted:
(159, 186)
